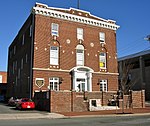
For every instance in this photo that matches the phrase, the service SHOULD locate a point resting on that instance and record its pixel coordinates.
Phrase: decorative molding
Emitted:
(49, 11)
(68, 71)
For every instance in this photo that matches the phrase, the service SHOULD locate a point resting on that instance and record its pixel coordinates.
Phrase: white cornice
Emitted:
(60, 70)
(70, 17)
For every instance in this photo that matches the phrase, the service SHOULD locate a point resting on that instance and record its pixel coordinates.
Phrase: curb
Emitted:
(59, 116)
(108, 115)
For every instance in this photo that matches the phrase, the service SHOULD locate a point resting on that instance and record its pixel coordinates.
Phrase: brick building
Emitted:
(63, 50)
(3, 84)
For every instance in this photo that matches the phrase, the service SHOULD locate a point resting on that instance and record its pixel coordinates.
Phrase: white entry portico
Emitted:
(82, 78)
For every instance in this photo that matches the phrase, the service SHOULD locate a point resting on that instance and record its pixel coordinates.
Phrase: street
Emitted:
(93, 121)
(5, 109)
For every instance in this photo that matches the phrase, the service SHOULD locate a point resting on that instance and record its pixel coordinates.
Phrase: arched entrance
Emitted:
(82, 78)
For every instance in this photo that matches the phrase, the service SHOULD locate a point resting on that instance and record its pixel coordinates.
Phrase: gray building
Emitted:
(140, 70)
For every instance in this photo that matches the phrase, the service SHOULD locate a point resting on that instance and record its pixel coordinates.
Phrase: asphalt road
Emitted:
(5, 109)
(94, 121)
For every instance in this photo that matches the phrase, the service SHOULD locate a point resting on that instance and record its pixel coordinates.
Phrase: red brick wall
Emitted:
(67, 30)
(138, 99)
(60, 101)
(135, 100)
(67, 101)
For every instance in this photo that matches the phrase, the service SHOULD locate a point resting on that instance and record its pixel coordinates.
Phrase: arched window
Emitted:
(80, 55)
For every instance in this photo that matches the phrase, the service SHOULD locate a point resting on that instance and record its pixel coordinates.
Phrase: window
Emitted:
(54, 29)
(103, 85)
(26, 58)
(80, 55)
(79, 33)
(54, 55)
(19, 73)
(81, 84)
(14, 50)
(13, 67)
(30, 30)
(22, 63)
(54, 83)
(102, 60)
(23, 39)
(16, 81)
(16, 65)
(102, 37)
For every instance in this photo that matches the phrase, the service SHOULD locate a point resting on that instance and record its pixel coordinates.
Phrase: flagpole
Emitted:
(78, 6)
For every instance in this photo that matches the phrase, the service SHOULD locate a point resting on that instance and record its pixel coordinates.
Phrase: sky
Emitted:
(133, 17)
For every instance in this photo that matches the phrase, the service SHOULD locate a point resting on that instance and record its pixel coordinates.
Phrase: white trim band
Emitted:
(66, 16)
(60, 70)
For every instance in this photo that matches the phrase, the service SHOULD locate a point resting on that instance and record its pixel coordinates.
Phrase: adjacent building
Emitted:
(63, 50)
(3, 85)
(140, 70)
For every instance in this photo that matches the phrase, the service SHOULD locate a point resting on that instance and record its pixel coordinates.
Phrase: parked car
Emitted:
(25, 103)
(13, 101)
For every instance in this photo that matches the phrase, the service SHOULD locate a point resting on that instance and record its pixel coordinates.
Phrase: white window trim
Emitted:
(103, 83)
(54, 32)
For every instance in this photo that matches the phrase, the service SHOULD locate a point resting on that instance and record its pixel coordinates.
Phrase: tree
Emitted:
(126, 81)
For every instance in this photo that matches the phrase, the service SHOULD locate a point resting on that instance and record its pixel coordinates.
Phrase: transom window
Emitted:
(102, 60)
(79, 33)
(103, 85)
(54, 29)
(54, 83)
(54, 55)
(80, 55)
(102, 37)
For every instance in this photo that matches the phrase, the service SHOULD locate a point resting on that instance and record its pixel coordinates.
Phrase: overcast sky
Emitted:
(133, 17)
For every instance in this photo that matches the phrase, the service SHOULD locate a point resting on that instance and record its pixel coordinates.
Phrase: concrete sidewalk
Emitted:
(120, 112)
(101, 113)
(30, 116)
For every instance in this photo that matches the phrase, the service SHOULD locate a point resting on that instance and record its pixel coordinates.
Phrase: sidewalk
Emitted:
(135, 111)
(127, 112)
(30, 116)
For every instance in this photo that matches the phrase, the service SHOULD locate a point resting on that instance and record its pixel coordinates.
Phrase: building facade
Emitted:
(3, 85)
(140, 71)
(63, 50)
